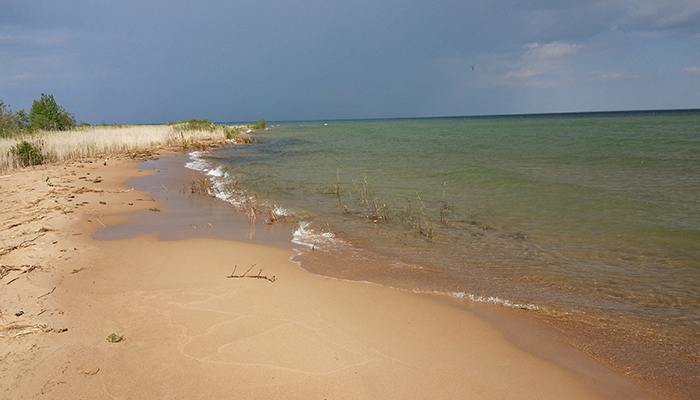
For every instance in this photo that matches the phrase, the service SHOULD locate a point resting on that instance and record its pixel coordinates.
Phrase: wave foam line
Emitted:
(306, 236)
(221, 181)
(494, 300)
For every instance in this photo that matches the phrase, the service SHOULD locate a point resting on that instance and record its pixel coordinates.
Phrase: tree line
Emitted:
(45, 114)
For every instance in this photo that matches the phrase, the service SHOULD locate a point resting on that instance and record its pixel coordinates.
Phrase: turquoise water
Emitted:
(589, 221)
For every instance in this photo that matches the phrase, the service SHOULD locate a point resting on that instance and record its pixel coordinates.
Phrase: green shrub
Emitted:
(231, 131)
(195, 125)
(27, 154)
(46, 114)
(261, 124)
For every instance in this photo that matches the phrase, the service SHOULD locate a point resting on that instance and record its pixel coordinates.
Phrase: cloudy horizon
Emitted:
(157, 61)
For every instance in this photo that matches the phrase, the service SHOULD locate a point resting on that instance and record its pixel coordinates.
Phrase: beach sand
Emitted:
(189, 332)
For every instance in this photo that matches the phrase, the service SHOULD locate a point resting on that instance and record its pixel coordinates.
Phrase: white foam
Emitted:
(282, 212)
(306, 236)
(219, 178)
(197, 163)
(217, 172)
(494, 300)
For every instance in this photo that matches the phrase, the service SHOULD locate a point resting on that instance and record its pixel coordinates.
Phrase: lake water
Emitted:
(590, 222)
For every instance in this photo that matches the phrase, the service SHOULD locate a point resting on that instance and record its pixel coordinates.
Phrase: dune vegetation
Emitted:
(49, 133)
(40, 147)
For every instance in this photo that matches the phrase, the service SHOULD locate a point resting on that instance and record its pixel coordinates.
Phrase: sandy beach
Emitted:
(185, 330)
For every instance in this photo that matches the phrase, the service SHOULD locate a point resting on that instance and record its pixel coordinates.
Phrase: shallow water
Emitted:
(589, 221)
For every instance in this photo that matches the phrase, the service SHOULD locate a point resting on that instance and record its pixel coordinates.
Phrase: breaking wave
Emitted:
(306, 236)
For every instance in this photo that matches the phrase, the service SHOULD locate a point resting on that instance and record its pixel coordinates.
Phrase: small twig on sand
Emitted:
(48, 293)
(245, 275)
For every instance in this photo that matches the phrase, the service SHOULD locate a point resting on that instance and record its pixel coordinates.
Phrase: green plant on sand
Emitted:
(115, 338)
(27, 154)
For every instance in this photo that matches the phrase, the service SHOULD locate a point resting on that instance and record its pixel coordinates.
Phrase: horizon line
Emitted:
(549, 114)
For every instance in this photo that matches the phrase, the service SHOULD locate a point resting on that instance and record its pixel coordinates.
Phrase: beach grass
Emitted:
(103, 141)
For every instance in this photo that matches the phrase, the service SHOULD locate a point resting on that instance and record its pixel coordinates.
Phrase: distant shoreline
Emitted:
(567, 114)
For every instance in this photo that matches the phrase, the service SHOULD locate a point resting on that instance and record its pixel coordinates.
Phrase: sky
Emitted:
(154, 61)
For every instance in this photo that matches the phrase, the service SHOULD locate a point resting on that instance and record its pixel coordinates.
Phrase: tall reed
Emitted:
(361, 199)
(102, 140)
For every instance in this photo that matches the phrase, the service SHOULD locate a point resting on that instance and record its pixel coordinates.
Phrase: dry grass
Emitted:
(361, 199)
(200, 185)
(104, 141)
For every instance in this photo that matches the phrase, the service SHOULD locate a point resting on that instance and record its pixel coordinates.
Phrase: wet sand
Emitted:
(190, 332)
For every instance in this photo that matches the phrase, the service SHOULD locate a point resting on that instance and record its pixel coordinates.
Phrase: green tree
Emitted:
(6, 121)
(11, 123)
(22, 119)
(46, 114)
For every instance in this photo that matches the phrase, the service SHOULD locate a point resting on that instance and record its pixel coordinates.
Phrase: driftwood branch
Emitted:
(5, 269)
(245, 274)
(25, 243)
